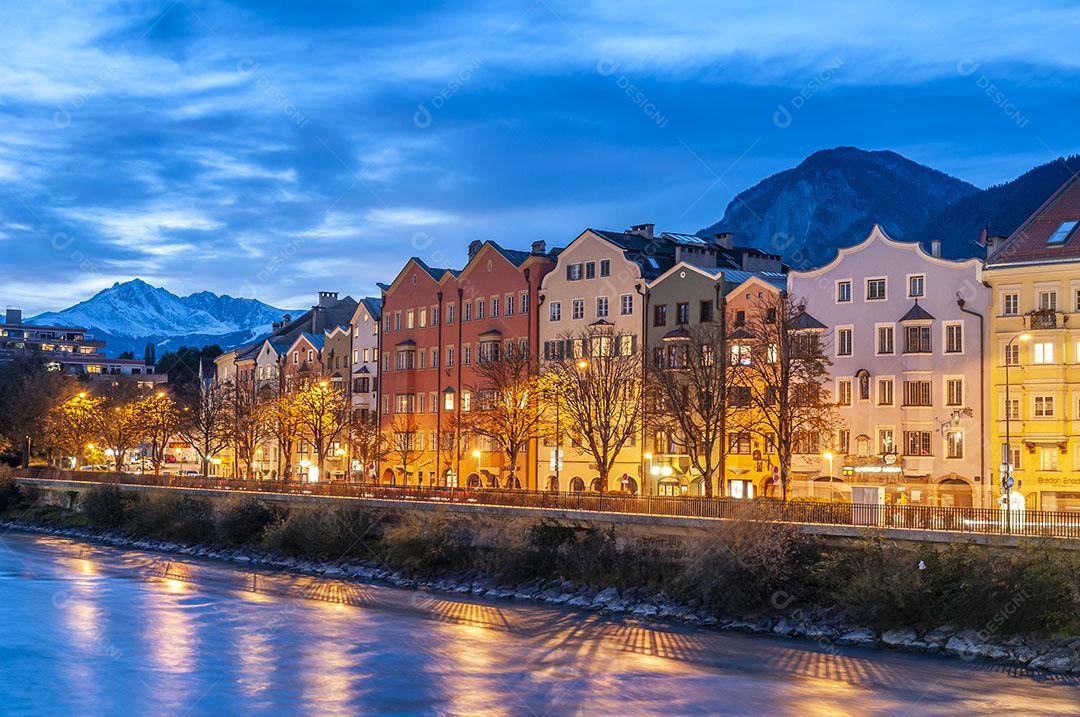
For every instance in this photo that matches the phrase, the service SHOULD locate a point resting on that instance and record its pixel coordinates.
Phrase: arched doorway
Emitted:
(595, 485)
(492, 479)
(473, 481)
(553, 484)
(629, 484)
(512, 482)
(955, 492)
(577, 484)
(388, 476)
(824, 487)
(669, 486)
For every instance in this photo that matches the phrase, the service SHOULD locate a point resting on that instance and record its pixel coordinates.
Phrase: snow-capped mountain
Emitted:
(129, 315)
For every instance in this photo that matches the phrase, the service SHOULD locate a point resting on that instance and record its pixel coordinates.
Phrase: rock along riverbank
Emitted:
(827, 627)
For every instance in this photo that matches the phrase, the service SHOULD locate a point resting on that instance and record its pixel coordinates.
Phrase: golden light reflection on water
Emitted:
(326, 666)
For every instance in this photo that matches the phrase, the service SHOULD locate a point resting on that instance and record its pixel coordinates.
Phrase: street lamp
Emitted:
(1007, 478)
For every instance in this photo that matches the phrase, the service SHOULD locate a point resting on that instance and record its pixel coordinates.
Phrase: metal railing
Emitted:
(986, 521)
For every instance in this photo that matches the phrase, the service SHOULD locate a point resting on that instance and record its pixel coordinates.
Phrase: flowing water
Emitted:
(90, 630)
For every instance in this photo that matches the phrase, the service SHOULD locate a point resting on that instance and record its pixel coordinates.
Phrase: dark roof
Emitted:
(406, 342)
(492, 332)
(740, 334)
(1028, 244)
(314, 320)
(373, 304)
(315, 340)
(657, 255)
(917, 313)
(806, 321)
(601, 322)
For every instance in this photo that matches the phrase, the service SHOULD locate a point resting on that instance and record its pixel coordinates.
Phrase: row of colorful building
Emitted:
(929, 356)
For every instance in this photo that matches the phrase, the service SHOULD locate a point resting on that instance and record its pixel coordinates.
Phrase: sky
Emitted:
(273, 149)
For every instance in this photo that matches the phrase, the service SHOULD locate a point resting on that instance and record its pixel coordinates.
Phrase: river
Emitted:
(92, 630)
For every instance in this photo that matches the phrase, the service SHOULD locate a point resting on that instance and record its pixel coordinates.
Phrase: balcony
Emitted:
(1043, 319)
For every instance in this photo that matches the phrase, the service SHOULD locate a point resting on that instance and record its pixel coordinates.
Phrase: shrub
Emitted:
(745, 567)
(322, 533)
(425, 543)
(104, 506)
(11, 496)
(173, 516)
(244, 521)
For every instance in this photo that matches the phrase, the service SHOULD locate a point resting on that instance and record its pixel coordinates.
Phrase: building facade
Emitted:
(906, 345)
(1034, 356)
(437, 325)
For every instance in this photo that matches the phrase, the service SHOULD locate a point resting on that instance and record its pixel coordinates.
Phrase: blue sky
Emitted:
(274, 149)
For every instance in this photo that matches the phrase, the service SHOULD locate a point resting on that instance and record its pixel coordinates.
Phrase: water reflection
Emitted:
(133, 633)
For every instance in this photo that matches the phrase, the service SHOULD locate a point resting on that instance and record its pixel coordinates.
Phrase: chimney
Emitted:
(642, 230)
(539, 247)
(14, 316)
(327, 298)
(725, 239)
(935, 248)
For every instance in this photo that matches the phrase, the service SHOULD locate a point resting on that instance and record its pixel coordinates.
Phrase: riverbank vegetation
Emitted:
(741, 569)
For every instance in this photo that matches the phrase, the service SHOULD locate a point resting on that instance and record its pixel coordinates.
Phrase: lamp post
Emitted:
(1007, 478)
(828, 455)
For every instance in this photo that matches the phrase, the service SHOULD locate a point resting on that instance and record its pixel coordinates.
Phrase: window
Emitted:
(660, 315)
(450, 313)
(573, 272)
(917, 393)
(843, 441)
(487, 351)
(916, 286)
(524, 303)
(954, 338)
(397, 321)
(843, 342)
(626, 304)
(509, 304)
(578, 309)
(601, 307)
(466, 311)
(1010, 303)
(1048, 300)
(875, 289)
(885, 392)
(806, 442)
(954, 392)
(917, 340)
(495, 306)
(481, 306)
(917, 443)
(466, 355)
(682, 313)
(449, 355)
(556, 311)
(434, 315)
(466, 400)
(1014, 459)
(1011, 355)
(1012, 409)
(1044, 406)
(843, 392)
(886, 440)
(1048, 458)
(885, 339)
(843, 292)
(590, 270)
(405, 360)
(434, 358)
(404, 403)
(954, 444)
(1062, 234)
(705, 312)
(1042, 352)
(605, 267)
(739, 443)
(740, 355)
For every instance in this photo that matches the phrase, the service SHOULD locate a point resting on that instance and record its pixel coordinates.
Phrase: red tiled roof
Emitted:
(1027, 245)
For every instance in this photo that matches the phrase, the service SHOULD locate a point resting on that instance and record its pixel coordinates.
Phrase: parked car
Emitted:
(189, 473)
(94, 467)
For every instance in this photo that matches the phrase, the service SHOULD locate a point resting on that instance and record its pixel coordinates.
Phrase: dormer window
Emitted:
(1064, 232)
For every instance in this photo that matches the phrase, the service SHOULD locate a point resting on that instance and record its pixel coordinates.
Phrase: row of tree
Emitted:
(709, 381)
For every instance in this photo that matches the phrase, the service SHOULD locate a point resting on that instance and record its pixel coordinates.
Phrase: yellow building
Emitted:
(1034, 341)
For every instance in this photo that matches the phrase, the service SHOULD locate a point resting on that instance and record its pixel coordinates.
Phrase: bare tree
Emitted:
(120, 425)
(404, 445)
(784, 368)
(599, 379)
(72, 425)
(286, 428)
(161, 417)
(367, 443)
(689, 394)
(508, 409)
(324, 410)
(204, 421)
(249, 422)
